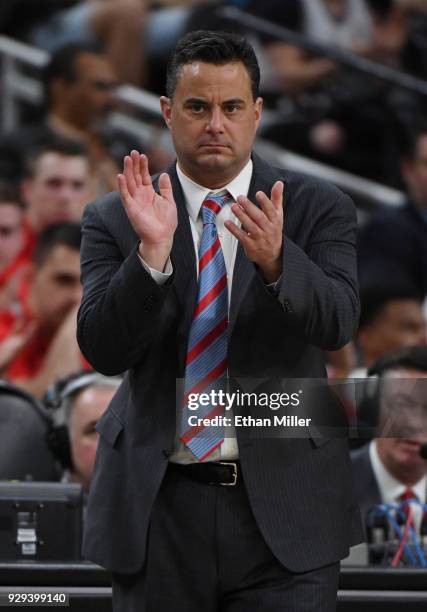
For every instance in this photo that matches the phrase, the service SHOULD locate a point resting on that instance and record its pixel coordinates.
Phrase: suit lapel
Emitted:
(182, 255)
(183, 259)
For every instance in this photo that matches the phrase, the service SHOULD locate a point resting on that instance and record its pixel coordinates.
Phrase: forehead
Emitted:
(408, 382)
(93, 401)
(406, 308)
(204, 80)
(56, 164)
(90, 66)
(62, 258)
(9, 211)
(404, 373)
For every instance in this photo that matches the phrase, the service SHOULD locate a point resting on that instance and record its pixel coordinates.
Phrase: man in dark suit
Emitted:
(391, 469)
(393, 243)
(216, 521)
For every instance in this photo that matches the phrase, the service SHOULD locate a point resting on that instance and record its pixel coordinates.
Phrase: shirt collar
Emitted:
(391, 488)
(194, 193)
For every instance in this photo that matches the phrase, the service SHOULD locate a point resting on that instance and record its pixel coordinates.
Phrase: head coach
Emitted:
(194, 274)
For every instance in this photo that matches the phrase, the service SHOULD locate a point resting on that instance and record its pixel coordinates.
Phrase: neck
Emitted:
(67, 126)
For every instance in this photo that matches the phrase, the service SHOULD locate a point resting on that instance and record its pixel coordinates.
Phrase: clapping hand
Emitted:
(261, 235)
(153, 216)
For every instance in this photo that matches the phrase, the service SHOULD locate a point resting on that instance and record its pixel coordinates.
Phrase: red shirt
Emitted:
(30, 359)
(21, 260)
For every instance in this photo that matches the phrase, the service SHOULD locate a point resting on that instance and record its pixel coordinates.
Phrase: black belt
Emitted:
(219, 473)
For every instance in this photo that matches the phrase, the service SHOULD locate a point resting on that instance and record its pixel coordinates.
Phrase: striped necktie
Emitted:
(407, 495)
(206, 365)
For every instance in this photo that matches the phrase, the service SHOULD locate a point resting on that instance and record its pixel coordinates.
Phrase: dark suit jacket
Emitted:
(393, 246)
(365, 484)
(299, 489)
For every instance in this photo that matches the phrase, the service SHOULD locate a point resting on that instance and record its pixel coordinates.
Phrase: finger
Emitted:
(253, 212)
(238, 233)
(277, 194)
(145, 173)
(267, 206)
(165, 186)
(136, 168)
(249, 226)
(128, 175)
(124, 192)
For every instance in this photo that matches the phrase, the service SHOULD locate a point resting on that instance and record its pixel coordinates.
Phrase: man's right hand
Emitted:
(153, 216)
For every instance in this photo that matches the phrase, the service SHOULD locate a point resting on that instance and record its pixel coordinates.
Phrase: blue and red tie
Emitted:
(206, 365)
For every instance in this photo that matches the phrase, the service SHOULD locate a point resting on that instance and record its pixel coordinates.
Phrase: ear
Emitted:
(258, 110)
(58, 89)
(166, 106)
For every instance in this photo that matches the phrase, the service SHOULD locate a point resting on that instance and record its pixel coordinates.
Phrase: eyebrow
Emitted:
(203, 101)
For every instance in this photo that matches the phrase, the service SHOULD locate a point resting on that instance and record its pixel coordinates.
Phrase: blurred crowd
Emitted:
(56, 162)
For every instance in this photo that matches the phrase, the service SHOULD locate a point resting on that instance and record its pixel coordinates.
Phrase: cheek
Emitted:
(84, 452)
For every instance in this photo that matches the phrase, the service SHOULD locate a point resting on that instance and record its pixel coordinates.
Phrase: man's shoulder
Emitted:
(300, 181)
(360, 458)
(107, 207)
(301, 186)
(312, 196)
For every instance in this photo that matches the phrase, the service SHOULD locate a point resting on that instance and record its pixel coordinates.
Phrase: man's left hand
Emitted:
(261, 234)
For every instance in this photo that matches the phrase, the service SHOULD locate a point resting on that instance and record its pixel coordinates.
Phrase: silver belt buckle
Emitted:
(234, 481)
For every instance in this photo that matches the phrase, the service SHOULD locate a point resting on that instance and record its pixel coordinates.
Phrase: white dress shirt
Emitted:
(391, 489)
(194, 196)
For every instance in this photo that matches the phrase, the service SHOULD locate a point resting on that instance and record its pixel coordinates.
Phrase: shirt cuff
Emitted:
(159, 277)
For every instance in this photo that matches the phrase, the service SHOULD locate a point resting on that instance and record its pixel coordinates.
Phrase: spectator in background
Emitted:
(79, 85)
(14, 253)
(58, 184)
(393, 244)
(390, 318)
(339, 116)
(38, 344)
(80, 401)
(390, 469)
(116, 24)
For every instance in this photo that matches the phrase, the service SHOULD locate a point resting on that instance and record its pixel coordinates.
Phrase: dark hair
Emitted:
(9, 193)
(61, 146)
(374, 300)
(217, 48)
(409, 138)
(58, 234)
(410, 358)
(62, 64)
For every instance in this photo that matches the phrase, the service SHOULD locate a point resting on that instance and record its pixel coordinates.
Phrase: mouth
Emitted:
(411, 444)
(213, 145)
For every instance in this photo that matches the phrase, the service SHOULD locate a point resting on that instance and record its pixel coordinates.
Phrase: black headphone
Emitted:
(11, 391)
(58, 436)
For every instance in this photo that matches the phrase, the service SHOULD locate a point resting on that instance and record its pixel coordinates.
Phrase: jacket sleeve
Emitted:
(121, 301)
(318, 287)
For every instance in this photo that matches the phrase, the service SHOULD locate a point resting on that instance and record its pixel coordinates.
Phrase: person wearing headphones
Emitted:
(78, 401)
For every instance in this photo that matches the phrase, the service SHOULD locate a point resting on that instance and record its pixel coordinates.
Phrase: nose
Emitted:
(66, 194)
(215, 124)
